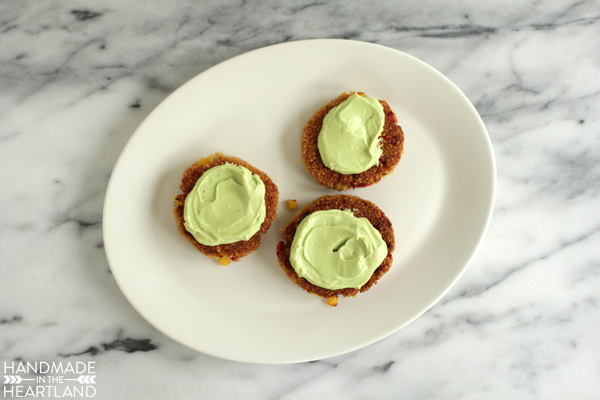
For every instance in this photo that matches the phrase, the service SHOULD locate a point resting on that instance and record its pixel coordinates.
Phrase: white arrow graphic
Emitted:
(87, 379)
(12, 379)
(84, 379)
(15, 379)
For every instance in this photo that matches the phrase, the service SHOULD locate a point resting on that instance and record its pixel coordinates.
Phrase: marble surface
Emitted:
(77, 78)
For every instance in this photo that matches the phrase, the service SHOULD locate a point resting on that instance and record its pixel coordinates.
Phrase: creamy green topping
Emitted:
(349, 141)
(333, 249)
(226, 205)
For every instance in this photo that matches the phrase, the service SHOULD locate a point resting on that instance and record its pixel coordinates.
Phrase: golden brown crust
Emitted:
(392, 145)
(360, 208)
(236, 250)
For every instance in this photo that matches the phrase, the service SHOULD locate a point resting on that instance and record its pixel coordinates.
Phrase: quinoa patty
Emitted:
(235, 250)
(360, 208)
(392, 145)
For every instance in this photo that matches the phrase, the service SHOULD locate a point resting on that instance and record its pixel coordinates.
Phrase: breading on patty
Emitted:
(235, 250)
(392, 144)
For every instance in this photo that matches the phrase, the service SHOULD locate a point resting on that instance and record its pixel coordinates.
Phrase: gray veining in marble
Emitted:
(77, 78)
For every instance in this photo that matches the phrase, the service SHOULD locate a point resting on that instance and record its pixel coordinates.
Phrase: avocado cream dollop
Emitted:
(226, 205)
(350, 139)
(333, 249)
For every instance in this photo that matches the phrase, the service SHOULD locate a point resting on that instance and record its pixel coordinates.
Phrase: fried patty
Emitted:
(235, 250)
(392, 145)
(360, 208)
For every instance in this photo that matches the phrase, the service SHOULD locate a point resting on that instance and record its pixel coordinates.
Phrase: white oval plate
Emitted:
(439, 199)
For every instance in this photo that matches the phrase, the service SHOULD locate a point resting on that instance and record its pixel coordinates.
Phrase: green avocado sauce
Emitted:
(227, 205)
(333, 249)
(350, 139)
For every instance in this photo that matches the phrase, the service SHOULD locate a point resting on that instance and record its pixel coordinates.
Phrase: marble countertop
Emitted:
(77, 78)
